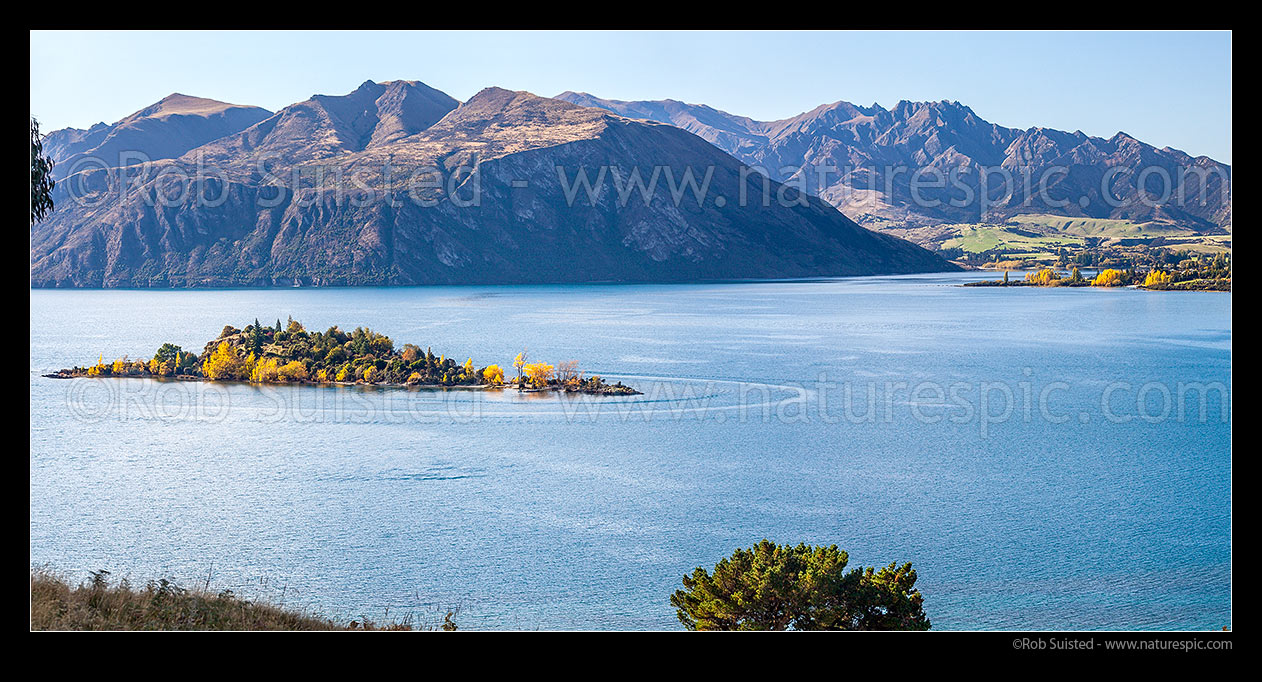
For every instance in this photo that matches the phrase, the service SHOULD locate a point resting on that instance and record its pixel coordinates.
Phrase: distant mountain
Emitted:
(326, 126)
(869, 145)
(164, 130)
(736, 135)
(396, 183)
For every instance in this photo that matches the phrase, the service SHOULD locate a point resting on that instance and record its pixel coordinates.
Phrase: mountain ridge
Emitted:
(287, 206)
(945, 136)
(163, 130)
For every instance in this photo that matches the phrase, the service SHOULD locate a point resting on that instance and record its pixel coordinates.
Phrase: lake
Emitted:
(1045, 458)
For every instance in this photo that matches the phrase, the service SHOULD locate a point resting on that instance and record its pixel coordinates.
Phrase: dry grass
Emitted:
(96, 604)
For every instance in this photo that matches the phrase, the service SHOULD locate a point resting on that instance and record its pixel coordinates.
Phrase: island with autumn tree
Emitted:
(291, 354)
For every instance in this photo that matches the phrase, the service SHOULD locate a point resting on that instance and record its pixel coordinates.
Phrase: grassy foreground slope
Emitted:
(98, 605)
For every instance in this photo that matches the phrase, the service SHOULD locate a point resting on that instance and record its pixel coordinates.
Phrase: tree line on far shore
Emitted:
(1194, 273)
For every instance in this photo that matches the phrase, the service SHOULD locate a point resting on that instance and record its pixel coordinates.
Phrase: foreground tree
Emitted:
(779, 587)
(41, 176)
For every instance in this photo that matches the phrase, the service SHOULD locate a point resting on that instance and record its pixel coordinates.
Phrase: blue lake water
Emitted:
(1041, 476)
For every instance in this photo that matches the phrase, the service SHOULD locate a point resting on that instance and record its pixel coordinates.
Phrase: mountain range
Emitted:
(397, 183)
(875, 152)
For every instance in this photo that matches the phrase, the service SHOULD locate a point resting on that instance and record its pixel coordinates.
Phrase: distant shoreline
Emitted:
(1136, 287)
(1192, 277)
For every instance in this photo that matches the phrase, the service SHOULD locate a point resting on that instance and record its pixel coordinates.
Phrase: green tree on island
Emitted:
(780, 587)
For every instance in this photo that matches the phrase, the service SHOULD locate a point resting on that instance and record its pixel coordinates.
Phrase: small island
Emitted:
(1188, 275)
(293, 355)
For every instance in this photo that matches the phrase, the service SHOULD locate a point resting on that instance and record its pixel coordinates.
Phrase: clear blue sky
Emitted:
(1166, 88)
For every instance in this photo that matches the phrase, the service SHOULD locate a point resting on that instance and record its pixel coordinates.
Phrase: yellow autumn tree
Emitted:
(468, 367)
(1042, 278)
(265, 371)
(292, 371)
(1108, 278)
(538, 373)
(493, 375)
(223, 364)
(518, 363)
(1158, 277)
(100, 367)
